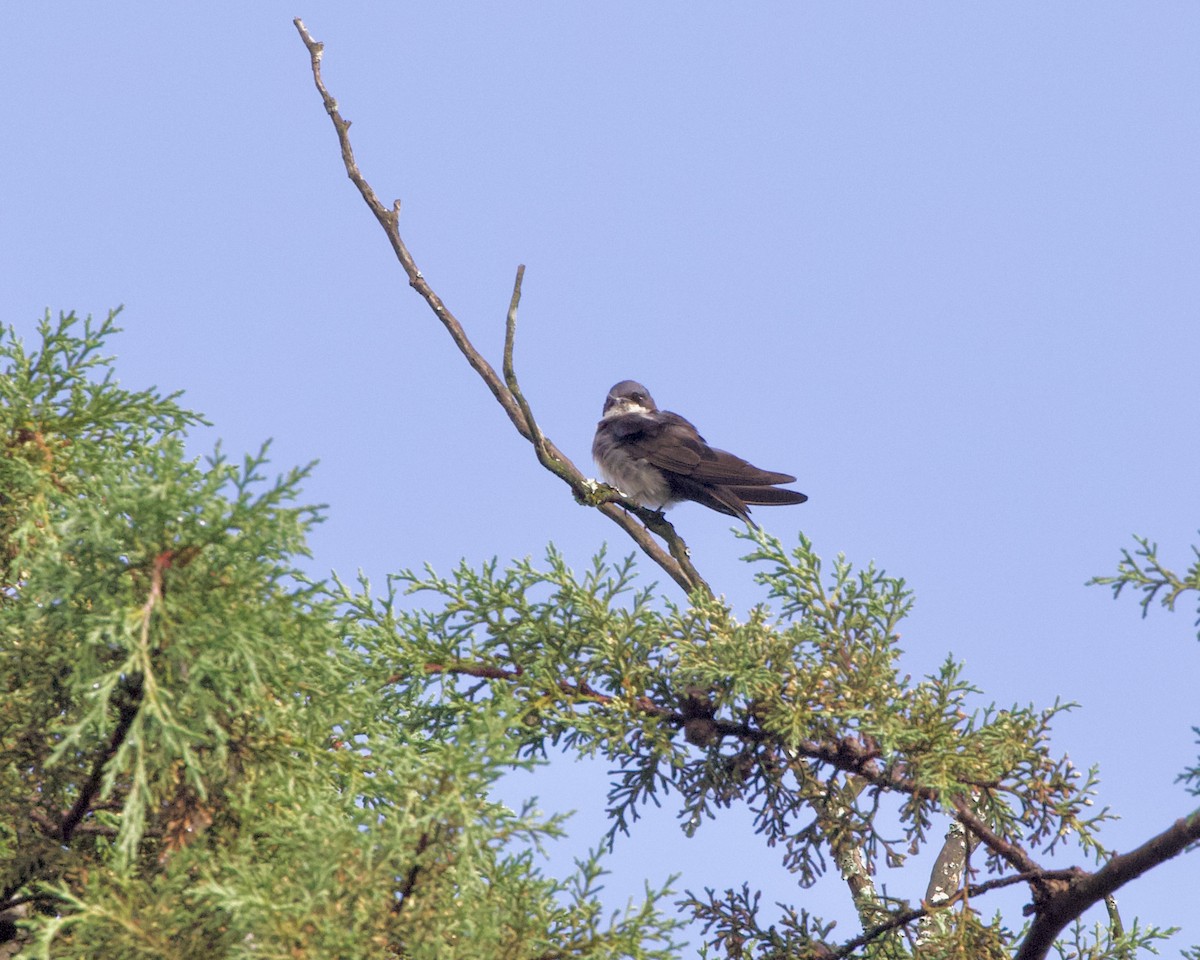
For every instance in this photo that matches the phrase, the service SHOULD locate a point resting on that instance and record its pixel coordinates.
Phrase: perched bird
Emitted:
(658, 459)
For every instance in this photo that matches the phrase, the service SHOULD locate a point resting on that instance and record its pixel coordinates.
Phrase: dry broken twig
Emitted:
(611, 502)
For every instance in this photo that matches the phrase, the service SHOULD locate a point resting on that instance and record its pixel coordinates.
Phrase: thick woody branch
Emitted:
(610, 502)
(1069, 903)
(1058, 899)
(409, 883)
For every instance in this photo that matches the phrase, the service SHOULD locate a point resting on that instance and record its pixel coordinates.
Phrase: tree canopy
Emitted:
(208, 754)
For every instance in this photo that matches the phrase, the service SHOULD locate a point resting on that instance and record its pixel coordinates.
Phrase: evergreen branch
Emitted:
(126, 712)
(580, 690)
(850, 755)
(130, 699)
(1151, 577)
(609, 501)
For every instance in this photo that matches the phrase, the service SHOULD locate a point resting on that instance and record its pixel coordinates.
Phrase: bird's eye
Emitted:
(638, 398)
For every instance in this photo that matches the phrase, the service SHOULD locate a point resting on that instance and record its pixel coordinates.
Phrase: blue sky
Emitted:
(937, 260)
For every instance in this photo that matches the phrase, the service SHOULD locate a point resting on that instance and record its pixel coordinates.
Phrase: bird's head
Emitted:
(628, 396)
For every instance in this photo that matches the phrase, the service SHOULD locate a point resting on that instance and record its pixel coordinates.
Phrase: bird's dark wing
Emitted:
(715, 497)
(671, 443)
(767, 496)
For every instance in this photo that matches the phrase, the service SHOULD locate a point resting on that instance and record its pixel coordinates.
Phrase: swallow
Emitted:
(658, 459)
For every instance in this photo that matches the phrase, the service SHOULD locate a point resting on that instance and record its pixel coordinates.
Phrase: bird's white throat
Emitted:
(623, 407)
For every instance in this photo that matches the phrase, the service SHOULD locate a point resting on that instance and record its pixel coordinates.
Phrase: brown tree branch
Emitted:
(1016, 855)
(610, 502)
(1073, 899)
(1011, 852)
(126, 712)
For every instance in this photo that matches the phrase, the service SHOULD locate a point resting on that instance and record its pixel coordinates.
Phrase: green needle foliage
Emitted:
(200, 760)
(207, 755)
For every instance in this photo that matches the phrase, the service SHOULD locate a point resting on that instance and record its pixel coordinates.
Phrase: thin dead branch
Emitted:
(611, 502)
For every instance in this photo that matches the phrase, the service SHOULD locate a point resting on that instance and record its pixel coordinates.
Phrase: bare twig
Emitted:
(612, 503)
(510, 376)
